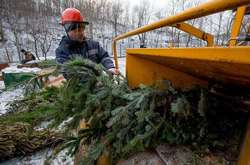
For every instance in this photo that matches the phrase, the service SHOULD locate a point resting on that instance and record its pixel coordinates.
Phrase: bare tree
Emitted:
(35, 31)
(1, 22)
(12, 21)
(9, 57)
(159, 32)
(142, 17)
(68, 3)
(45, 43)
(14, 13)
(126, 20)
(88, 9)
(185, 5)
(58, 5)
(102, 7)
(1, 31)
(219, 28)
(117, 12)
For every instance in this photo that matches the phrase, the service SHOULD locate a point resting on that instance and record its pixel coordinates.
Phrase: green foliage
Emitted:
(47, 63)
(126, 121)
(32, 109)
(42, 113)
(132, 120)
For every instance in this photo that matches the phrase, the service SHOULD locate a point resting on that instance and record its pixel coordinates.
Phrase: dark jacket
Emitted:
(90, 49)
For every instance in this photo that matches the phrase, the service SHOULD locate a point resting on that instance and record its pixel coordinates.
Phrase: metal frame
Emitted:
(208, 8)
(209, 38)
(249, 29)
(237, 25)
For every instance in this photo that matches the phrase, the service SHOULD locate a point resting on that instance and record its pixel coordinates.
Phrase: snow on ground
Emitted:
(13, 69)
(41, 59)
(2, 86)
(40, 157)
(12, 94)
(8, 96)
(122, 65)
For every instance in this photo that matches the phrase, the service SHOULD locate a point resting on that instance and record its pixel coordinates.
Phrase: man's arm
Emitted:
(104, 58)
(61, 56)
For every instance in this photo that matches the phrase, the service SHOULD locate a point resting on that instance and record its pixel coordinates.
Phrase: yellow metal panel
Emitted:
(196, 32)
(82, 147)
(237, 25)
(143, 71)
(245, 150)
(238, 54)
(226, 65)
(104, 159)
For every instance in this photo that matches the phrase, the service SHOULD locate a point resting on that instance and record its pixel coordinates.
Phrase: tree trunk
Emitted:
(36, 49)
(218, 33)
(17, 45)
(1, 31)
(8, 55)
(91, 30)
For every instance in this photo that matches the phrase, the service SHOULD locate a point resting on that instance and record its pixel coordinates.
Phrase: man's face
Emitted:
(78, 33)
(29, 56)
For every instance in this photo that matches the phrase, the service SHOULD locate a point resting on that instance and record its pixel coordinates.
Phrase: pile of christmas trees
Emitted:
(122, 121)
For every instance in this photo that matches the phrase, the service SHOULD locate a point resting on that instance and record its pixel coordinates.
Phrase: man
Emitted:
(75, 43)
(28, 56)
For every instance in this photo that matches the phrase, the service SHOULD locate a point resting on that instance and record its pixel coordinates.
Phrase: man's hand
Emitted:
(114, 71)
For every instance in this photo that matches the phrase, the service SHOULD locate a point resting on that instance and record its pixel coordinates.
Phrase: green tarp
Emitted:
(13, 79)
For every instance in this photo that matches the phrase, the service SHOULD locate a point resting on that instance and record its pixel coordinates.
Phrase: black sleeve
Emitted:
(61, 56)
(33, 57)
(104, 58)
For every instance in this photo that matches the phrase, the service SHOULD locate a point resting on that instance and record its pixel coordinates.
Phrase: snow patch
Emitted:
(7, 96)
(122, 65)
(40, 157)
(41, 59)
(13, 69)
(2, 86)
(64, 123)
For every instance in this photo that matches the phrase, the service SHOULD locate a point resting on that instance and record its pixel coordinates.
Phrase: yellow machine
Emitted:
(188, 67)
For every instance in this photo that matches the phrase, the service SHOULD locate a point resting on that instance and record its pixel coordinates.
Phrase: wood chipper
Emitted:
(188, 67)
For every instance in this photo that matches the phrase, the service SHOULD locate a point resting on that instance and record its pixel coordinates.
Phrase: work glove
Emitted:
(114, 71)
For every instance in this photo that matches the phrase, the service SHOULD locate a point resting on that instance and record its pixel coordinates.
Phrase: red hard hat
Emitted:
(72, 15)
